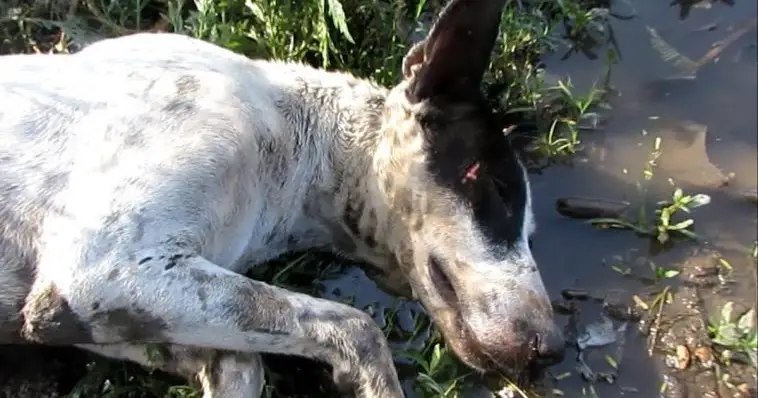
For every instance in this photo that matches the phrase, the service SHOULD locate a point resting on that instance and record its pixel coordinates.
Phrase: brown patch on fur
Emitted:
(50, 320)
(270, 310)
(131, 324)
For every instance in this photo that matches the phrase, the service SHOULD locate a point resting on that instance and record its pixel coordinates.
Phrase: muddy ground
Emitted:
(707, 123)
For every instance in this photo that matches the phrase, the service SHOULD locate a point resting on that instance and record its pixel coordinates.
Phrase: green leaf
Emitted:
(450, 388)
(747, 321)
(436, 356)
(681, 225)
(699, 200)
(727, 336)
(611, 362)
(670, 273)
(678, 194)
(726, 311)
(430, 383)
(255, 9)
(338, 18)
(726, 264)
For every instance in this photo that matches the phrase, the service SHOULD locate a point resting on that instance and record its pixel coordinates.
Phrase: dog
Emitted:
(141, 176)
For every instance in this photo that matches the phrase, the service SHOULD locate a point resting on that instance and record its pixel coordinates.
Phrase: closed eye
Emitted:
(502, 191)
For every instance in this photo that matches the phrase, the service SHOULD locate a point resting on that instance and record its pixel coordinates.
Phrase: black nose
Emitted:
(551, 348)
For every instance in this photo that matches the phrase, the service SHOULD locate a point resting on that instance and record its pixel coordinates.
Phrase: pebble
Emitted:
(564, 307)
(705, 356)
(705, 271)
(575, 294)
(620, 312)
(682, 357)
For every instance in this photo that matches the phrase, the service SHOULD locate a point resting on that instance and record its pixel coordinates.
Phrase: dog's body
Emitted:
(141, 175)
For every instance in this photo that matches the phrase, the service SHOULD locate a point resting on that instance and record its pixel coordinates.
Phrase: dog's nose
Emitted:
(551, 349)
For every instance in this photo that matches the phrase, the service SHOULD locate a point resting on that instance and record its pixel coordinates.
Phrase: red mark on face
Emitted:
(471, 173)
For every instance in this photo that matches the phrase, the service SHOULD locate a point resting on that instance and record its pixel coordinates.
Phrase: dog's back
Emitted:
(74, 128)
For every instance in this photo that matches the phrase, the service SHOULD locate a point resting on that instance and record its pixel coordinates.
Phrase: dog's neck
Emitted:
(341, 121)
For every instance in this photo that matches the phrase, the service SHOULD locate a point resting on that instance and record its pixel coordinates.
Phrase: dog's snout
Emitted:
(550, 347)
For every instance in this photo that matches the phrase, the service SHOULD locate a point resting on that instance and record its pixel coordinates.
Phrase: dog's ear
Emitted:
(456, 52)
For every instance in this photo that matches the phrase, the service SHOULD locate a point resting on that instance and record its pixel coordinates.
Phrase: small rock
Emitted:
(564, 307)
(674, 387)
(682, 357)
(705, 356)
(575, 294)
(705, 271)
(585, 208)
(621, 312)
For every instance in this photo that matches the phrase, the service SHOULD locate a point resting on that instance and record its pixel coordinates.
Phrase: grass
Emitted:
(369, 39)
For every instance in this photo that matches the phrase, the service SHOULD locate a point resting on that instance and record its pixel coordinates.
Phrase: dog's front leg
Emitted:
(189, 301)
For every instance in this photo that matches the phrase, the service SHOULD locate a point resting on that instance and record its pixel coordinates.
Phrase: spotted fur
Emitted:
(140, 176)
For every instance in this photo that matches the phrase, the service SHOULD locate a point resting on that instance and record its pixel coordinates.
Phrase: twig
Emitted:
(721, 45)
(657, 322)
(103, 19)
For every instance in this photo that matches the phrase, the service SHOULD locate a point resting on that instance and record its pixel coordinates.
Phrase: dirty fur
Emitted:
(142, 175)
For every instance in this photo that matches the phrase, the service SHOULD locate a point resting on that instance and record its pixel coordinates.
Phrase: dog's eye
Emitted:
(502, 188)
(502, 192)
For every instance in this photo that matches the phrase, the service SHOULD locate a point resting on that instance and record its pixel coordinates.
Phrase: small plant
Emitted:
(570, 113)
(661, 273)
(735, 336)
(440, 373)
(662, 227)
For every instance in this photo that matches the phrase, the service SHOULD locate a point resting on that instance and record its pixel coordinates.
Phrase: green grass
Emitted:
(369, 39)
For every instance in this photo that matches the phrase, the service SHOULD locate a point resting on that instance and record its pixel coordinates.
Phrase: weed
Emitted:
(440, 374)
(570, 110)
(662, 225)
(735, 335)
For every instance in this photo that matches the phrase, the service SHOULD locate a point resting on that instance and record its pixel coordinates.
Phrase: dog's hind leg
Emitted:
(221, 373)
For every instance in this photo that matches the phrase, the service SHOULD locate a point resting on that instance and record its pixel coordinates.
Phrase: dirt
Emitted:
(33, 371)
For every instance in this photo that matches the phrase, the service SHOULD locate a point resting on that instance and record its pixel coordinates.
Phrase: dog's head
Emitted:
(457, 199)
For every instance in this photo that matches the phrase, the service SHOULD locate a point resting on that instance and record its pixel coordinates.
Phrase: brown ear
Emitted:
(457, 49)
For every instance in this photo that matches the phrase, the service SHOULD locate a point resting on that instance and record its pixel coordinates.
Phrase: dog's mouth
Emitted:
(457, 334)
(443, 285)
(461, 339)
